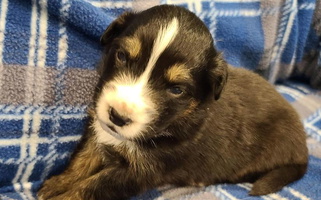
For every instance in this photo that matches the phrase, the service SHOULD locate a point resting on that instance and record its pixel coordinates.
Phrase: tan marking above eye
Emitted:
(133, 46)
(178, 72)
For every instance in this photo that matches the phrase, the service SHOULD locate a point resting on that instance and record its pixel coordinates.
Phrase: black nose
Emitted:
(117, 119)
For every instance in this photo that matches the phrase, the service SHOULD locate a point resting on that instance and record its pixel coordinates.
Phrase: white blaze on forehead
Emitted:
(165, 37)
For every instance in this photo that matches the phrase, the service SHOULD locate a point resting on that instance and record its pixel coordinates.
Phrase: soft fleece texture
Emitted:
(49, 50)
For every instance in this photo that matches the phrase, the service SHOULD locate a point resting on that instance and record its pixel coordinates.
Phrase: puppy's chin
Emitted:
(112, 131)
(104, 136)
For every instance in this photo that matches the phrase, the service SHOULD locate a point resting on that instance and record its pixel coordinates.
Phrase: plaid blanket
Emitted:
(49, 50)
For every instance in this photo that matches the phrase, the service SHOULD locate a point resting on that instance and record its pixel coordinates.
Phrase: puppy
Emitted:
(169, 110)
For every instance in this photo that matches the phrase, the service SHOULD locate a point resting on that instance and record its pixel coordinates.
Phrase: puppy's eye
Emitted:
(176, 90)
(121, 56)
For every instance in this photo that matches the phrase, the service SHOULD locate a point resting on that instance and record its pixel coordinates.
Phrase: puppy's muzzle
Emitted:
(118, 119)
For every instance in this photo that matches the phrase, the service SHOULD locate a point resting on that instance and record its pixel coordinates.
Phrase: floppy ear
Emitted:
(218, 75)
(116, 27)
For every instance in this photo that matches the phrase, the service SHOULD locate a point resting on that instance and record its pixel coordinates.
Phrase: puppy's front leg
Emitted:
(84, 163)
(108, 184)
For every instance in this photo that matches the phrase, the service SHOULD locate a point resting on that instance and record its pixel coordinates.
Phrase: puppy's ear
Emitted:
(218, 75)
(116, 27)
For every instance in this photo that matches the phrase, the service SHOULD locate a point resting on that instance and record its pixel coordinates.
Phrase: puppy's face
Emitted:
(159, 67)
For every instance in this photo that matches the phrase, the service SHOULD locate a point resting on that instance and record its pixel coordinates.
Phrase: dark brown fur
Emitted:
(248, 132)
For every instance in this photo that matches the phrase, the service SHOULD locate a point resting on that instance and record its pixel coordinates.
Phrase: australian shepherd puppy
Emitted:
(169, 110)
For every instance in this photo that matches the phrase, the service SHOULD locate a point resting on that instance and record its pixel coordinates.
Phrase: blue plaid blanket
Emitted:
(49, 50)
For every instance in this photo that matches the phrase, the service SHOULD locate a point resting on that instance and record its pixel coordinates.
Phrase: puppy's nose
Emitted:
(117, 119)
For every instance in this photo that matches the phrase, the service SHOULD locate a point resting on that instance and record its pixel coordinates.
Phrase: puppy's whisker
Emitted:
(153, 143)
(152, 129)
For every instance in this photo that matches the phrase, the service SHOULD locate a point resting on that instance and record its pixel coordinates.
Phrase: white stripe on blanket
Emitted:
(278, 51)
(23, 148)
(32, 141)
(120, 4)
(16, 142)
(42, 39)
(4, 9)
(62, 58)
(33, 34)
(297, 194)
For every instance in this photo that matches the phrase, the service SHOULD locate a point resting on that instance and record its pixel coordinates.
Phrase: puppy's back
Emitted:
(258, 94)
(259, 102)
(264, 129)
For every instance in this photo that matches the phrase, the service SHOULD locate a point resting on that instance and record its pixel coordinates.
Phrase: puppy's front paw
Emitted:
(51, 188)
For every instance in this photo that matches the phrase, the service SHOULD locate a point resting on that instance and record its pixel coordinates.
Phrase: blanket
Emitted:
(49, 51)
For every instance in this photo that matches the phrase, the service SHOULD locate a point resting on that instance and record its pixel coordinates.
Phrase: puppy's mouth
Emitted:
(112, 131)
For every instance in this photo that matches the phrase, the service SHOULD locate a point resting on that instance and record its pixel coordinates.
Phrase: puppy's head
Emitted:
(159, 68)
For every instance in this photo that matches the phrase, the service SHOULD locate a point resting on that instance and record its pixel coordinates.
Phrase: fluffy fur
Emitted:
(169, 110)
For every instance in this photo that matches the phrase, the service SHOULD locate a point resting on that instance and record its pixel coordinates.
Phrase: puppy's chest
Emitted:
(130, 155)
